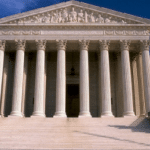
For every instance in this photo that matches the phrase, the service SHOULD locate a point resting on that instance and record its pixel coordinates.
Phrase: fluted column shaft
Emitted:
(61, 79)
(18, 79)
(39, 79)
(146, 72)
(2, 49)
(105, 79)
(126, 77)
(84, 80)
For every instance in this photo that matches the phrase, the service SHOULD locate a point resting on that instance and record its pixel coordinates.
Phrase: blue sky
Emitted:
(139, 8)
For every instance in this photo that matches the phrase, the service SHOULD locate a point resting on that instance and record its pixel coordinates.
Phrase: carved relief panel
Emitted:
(73, 15)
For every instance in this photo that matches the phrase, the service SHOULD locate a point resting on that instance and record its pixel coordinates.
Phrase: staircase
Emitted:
(75, 133)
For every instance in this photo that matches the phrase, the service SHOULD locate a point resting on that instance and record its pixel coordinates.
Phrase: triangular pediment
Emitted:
(73, 12)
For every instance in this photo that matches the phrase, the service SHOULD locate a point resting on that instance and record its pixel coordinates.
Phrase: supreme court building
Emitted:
(73, 59)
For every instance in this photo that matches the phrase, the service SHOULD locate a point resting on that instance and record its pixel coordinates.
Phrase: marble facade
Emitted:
(104, 53)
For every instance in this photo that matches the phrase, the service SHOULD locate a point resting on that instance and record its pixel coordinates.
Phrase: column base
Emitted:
(128, 114)
(38, 114)
(15, 114)
(85, 114)
(60, 115)
(106, 114)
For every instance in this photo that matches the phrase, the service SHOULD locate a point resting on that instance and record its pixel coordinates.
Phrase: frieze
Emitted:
(109, 32)
(120, 32)
(72, 15)
(20, 32)
(78, 32)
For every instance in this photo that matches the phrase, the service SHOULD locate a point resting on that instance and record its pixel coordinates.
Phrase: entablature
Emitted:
(73, 32)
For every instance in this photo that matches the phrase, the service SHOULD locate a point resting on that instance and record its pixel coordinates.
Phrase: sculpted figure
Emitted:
(59, 17)
(20, 21)
(100, 19)
(37, 19)
(65, 16)
(32, 20)
(108, 20)
(54, 18)
(45, 19)
(122, 21)
(92, 18)
(73, 16)
(81, 16)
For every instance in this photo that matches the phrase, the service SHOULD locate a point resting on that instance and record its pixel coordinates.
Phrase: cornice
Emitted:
(73, 24)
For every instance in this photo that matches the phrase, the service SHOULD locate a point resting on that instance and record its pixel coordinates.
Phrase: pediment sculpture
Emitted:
(73, 15)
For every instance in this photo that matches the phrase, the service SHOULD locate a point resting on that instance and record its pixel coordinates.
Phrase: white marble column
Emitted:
(4, 85)
(84, 80)
(126, 77)
(141, 84)
(18, 79)
(39, 79)
(146, 72)
(61, 79)
(2, 49)
(105, 79)
(24, 84)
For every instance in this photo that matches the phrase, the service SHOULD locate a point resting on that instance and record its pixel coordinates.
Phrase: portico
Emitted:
(105, 56)
(81, 61)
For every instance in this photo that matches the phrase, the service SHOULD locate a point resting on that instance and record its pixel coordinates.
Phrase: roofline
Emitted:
(78, 4)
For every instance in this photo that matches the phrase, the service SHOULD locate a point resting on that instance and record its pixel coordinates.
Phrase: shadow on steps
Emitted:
(140, 125)
(114, 138)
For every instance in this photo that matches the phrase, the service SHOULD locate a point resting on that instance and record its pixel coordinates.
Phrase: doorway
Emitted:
(72, 100)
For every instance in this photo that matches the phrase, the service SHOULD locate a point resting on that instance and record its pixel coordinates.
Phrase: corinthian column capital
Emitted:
(2, 45)
(144, 44)
(84, 44)
(104, 44)
(40, 44)
(20, 44)
(61, 44)
(125, 44)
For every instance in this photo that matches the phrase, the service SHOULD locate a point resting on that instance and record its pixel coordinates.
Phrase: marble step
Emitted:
(93, 133)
